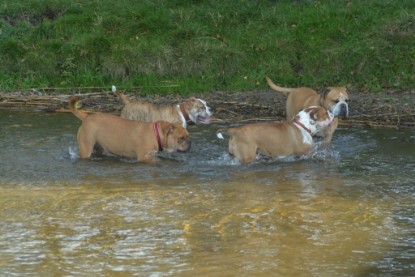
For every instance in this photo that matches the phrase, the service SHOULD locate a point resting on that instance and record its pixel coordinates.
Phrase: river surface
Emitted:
(347, 211)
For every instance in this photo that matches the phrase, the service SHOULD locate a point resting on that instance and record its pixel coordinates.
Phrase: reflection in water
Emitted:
(157, 228)
(348, 211)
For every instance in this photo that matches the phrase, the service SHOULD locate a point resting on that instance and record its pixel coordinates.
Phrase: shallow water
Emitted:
(348, 211)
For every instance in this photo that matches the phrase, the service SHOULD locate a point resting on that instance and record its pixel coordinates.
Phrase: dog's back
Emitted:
(149, 112)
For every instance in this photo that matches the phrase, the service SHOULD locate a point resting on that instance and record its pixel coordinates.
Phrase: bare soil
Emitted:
(387, 109)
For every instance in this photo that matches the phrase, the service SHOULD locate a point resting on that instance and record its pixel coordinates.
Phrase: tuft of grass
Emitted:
(185, 46)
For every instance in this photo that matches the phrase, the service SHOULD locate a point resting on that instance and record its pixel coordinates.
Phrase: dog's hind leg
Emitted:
(86, 144)
(242, 151)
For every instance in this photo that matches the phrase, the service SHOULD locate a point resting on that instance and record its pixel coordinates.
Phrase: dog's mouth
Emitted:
(203, 119)
(187, 149)
(343, 114)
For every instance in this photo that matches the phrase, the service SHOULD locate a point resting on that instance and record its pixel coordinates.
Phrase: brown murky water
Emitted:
(348, 211)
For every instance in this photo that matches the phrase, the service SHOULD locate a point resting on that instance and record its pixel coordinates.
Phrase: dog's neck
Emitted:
(156, 131)
(298, 123)
(301, 121)
(305, 132)
(185, 115)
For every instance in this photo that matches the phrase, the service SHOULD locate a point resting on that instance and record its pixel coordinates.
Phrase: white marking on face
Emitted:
(341, 108)
(200, 115)
(208, 111)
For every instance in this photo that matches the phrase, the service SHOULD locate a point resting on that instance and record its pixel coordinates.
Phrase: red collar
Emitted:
(156, 131)
(302, 126)
(185, 115)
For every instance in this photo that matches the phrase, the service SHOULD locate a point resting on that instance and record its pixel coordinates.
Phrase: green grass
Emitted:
(207, 45)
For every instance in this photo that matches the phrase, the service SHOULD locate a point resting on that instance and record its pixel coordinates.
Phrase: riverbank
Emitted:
(186, 46)
(387, 109)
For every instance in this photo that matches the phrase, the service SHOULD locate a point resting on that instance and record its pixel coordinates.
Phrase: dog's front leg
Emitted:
(147, 157)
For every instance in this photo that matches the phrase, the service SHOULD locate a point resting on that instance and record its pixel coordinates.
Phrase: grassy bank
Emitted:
(200, 46)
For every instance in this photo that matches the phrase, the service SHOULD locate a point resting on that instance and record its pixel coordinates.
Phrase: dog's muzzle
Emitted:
(203, 119)
(189, 145)
(341, 110)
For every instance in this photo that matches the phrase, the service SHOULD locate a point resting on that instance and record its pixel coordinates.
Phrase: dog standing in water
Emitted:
(128, 138)
(281, 139)
(190, 111)
(334, 99)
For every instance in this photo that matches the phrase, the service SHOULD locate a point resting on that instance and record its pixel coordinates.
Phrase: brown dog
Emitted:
(128, 138)
(334, 99)
(191, 111)
(278, 140)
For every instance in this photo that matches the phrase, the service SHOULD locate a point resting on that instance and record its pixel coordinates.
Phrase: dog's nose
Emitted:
(344, 111)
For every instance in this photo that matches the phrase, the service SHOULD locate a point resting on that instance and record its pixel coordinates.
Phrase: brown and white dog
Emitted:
(128, 138)
(286, 138)
(334, 99)
(190, 111)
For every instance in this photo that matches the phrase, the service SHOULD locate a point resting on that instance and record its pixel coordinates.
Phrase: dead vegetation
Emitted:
(388, 109)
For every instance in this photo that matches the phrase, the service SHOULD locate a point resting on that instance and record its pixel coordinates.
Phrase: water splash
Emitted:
(224, 159)
(73, 153)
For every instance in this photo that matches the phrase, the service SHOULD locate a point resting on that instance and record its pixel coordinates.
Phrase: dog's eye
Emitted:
(181, 139)
(203, 108)
(336, 101)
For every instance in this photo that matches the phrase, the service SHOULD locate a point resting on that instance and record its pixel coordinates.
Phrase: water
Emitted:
(348, 211)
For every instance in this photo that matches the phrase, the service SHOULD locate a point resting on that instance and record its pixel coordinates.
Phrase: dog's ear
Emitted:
(171, 128)
(313, 113)
(167, 127)
(313, 117)
(324, 93)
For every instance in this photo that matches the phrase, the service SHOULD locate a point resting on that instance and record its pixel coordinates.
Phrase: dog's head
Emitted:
(335, 100)
(315, 118)
(176, 137)
(197, 110)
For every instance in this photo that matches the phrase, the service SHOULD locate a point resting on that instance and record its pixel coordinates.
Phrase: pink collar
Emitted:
(302, 126)
(156, 131)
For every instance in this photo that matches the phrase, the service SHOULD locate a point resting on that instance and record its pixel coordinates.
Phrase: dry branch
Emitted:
(241, 107)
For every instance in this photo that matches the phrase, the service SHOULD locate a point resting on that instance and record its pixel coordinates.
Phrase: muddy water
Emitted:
(348, 211)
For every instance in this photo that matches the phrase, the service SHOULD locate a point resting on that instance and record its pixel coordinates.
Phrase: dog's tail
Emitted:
(220, 132)
(285, 91)
(74, 105)
(120, 95)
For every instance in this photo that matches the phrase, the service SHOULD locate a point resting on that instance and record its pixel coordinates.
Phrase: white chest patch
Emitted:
(307, 139)
(184, 123)
(304, 119)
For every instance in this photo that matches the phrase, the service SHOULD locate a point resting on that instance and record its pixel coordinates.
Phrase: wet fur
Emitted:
(300, 98)
(194, 109)
(128, 138)
(277, 139)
